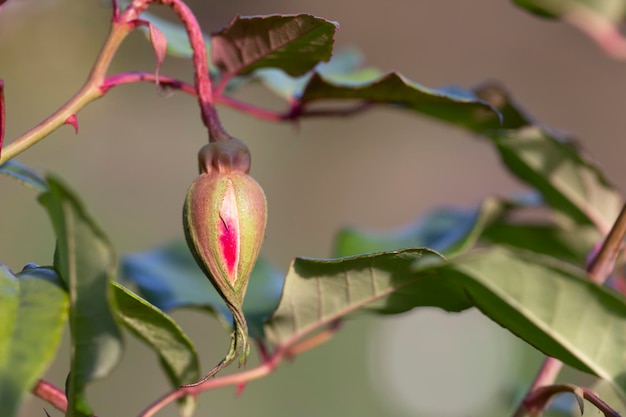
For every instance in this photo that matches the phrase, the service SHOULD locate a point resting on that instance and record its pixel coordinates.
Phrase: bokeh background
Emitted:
(135, 156)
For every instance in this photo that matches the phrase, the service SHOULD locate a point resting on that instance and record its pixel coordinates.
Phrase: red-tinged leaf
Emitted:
(292, 43)
(159, 44)
(73, 121)
(116, 11)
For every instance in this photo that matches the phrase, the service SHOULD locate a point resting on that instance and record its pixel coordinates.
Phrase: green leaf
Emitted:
(608, 10)
(548, 303)
(343, 64)
(450, 104)
(23, 174)
(169, 278)
(572, 244)
(292, 43)
(318, 292)
(177, 40)
(569, 183)
(177, 353)
(535, 7)
(86, 262)
(34, 309)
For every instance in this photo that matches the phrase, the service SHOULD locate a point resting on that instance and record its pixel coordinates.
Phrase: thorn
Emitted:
(240, 387)
(46, 411)
(72, 120)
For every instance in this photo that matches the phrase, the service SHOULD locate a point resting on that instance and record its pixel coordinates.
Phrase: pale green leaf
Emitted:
(86, 263)
(34, 308)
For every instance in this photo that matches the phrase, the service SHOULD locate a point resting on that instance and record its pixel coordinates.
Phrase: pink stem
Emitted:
(269, 363)
(51, 394)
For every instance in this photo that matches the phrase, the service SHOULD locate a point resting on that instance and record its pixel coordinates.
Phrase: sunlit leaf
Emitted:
(318, 292)
(447, 230)
(176, 352)
(86, 263)
(569, 182)
(572, 244)
(291, 43)
(450, 104)
(34, 308)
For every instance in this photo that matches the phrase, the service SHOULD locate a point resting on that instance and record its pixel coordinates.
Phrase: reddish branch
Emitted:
(296, 111)
(239, 379)
(202, 79)
(598, 271)
(537, 401)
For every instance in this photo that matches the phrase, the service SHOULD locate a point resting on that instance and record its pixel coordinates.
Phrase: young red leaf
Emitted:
(158, 42)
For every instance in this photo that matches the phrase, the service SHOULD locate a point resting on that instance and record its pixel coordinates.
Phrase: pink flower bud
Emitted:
(225, 215)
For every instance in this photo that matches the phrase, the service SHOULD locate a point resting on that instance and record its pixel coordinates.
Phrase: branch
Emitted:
(239, 379)
(120, 28)
(536, 402)
(95, 86)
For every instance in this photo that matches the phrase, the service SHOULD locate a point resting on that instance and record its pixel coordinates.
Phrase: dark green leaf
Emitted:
(450, 104)
(169, 278)
(318, 292)
(25, 175)
(86, 262)
(176, 352)
(608, 10)
(34, 309)
(569, 183)
(292, 43)
(536, 7)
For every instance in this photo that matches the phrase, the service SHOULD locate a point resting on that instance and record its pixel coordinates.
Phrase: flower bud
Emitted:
(225, 214)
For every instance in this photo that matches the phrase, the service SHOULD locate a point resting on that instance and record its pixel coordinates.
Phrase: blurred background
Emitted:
(135, 156)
